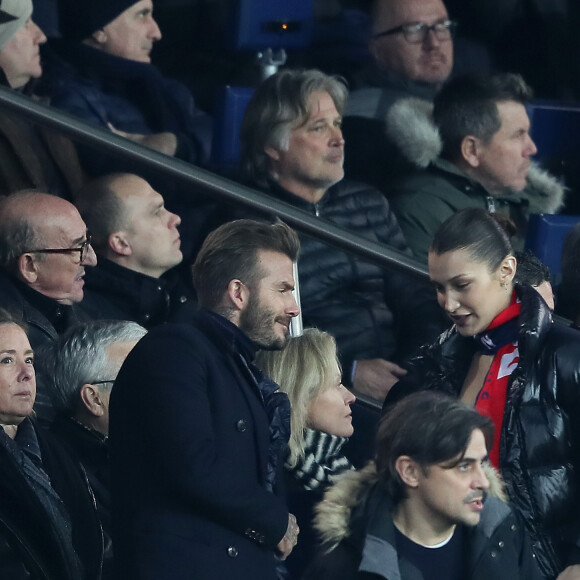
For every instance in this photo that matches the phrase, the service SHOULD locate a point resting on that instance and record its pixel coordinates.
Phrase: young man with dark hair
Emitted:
(425, 509)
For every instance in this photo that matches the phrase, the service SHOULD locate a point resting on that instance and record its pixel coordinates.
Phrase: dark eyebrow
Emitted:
(79, 240)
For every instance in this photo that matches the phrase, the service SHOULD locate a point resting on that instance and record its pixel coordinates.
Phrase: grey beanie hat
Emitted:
(13, 16)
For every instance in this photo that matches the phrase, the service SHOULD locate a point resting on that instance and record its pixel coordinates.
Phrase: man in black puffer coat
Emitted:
(292, 147)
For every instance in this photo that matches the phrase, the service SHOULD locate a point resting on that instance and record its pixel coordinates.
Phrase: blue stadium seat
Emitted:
(227, 123)
(545, 239)
(555, 129)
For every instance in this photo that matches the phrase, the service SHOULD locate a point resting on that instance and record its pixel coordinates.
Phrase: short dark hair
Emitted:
(530, 269)
(481, 234)
(279, 104)
(101, 209)
(231, 251)
(430, 428)
(467, 105)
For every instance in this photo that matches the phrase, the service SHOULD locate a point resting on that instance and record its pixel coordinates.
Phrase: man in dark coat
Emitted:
(101, 71)
(431, 507)
(197, 432)
(44, 249)
(412, 48)
(139, 245)
(292, 147)
(79, 370)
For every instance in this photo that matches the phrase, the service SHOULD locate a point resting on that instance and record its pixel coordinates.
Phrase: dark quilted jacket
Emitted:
(372, 312)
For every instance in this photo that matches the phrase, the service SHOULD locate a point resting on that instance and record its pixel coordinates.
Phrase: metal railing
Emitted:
(203, 181)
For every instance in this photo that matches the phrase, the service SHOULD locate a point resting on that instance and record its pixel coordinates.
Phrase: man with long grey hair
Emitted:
(79, 370)
(292, 147)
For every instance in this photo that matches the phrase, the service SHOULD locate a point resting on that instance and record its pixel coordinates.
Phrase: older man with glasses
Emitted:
(80, 369)
(44, 250)
(411, 44)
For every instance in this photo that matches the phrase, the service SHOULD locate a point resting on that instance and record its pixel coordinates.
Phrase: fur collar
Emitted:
(333, 513)
(410, 126)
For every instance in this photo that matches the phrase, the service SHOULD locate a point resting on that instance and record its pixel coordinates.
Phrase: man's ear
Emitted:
(99, 36)
(272, 153)
(408, 470)
(470, 150)
(26, 269)
(119, 244)
(238, 294)
(92, 400)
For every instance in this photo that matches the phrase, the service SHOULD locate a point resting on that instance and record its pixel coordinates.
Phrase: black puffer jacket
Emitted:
(372, 312)
(540, 442)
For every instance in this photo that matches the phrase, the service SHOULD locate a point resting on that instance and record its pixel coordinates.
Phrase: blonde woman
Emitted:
(309, 372)
(307, 369)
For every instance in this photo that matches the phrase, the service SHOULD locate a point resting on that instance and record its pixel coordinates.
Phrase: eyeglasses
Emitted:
(83, 249)
(417, 32)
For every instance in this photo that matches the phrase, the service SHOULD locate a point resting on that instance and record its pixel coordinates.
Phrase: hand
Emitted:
(163, 142)
(570, 573)
(290, 538)
(375, 377)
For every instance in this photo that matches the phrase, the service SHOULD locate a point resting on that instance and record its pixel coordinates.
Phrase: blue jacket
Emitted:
(134, 97)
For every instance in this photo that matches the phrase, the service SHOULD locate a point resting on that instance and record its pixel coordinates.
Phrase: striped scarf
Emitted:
(322, 460)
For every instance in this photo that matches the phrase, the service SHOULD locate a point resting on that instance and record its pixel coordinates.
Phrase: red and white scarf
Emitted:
(500, 338)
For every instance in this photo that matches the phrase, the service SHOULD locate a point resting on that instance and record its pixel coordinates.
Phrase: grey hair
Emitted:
(79, 357)
(279, 104)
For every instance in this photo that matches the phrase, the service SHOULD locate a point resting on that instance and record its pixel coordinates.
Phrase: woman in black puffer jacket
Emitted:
(506, 357)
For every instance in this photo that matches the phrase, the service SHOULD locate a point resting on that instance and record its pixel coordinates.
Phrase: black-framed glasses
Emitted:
(83, 249)
(417, 32)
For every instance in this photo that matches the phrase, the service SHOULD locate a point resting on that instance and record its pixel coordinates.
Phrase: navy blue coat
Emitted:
(189, 441)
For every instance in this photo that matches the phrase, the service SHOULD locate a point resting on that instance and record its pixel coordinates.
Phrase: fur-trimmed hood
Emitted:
(333, 513)
(409, 124)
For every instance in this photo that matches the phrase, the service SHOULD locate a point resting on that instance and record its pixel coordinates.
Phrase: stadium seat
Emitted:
(545, 239)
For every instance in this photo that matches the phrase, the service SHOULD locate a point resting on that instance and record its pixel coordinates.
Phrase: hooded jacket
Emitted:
(540, 439)
(357, 529)
(426, 197)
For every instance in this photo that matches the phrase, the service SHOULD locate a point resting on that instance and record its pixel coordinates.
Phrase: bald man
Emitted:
(411, 43)
(138, 244)
(44, 250)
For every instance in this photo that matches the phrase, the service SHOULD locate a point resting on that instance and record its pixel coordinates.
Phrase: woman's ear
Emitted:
(507, 270)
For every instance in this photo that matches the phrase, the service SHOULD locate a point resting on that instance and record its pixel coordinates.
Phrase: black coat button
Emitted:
(241, 425)
(232, 552)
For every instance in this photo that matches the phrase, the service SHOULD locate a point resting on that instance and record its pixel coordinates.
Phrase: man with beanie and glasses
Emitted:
(101, 72)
